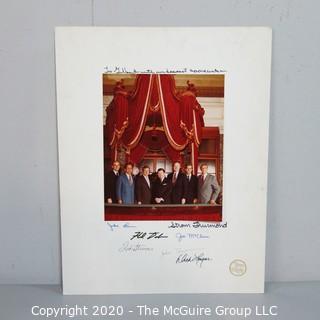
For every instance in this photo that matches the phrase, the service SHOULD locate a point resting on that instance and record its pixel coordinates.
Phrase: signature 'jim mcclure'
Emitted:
(196, 258)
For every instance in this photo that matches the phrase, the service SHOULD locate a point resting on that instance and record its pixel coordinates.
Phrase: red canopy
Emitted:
(154, 109)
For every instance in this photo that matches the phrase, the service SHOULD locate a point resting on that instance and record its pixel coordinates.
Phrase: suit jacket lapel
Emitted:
(128, 182)
(145, 181)
(205, 180)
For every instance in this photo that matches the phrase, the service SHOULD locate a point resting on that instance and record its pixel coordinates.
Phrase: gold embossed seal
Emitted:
(238, 267)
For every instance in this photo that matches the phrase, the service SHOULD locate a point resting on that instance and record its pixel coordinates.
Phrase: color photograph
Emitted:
(163, 146)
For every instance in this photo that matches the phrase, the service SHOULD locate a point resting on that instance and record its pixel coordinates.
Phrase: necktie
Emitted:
(148, 181)
(130, 179)
(174, 178)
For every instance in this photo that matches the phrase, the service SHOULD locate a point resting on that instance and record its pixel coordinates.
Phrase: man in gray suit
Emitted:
(208, 187)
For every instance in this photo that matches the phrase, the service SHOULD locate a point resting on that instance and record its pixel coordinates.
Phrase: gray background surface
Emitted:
(29, 199)
(295, 301)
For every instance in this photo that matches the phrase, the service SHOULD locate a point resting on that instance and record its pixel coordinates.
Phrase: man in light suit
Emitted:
(125, 186)
(208, 187)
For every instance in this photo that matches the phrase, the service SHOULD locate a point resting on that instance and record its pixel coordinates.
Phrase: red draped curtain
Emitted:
(191, 116)
(137, 111)
(181, 114)
(170, 112)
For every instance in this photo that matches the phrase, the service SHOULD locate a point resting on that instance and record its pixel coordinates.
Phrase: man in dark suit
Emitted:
(162, 188)
(143, 187)
(192, 189)
(179, 185)
(110, 183)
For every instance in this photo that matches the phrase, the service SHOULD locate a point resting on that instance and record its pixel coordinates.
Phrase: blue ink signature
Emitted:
(181, 236)
(114, 226)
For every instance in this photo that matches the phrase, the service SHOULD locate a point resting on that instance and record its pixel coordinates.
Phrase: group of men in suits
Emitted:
(177, 188)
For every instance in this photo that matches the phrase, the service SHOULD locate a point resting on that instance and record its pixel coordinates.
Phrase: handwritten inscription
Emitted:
(197, 258)
(165, 252)
(114, 226)
(148, 235)
(197, 224)
(182, 236)
(130, 247)
(126, 70)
